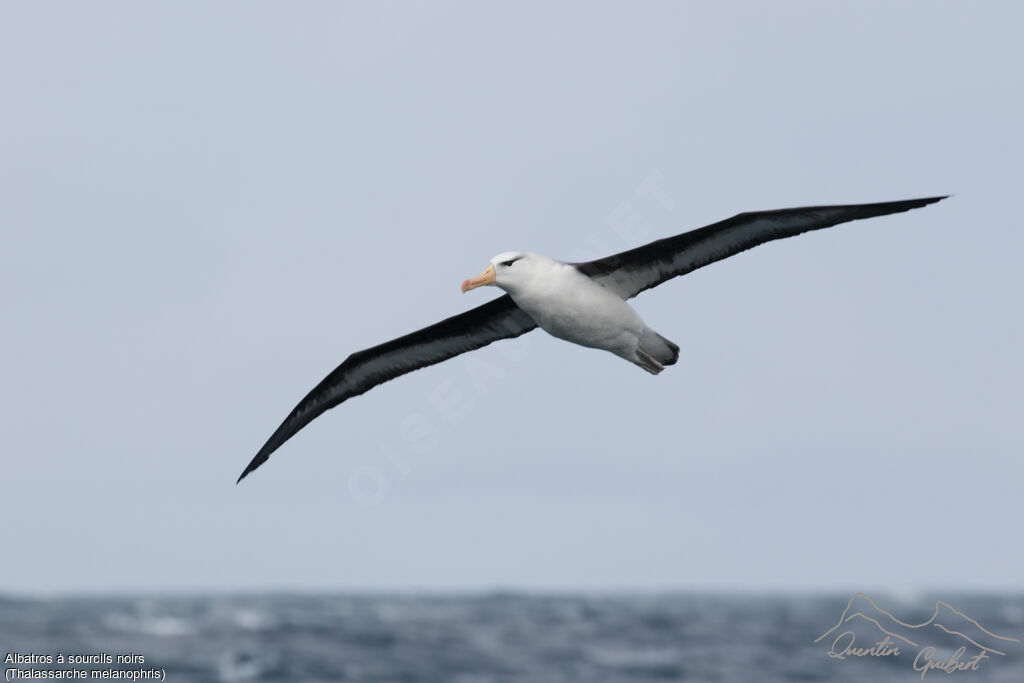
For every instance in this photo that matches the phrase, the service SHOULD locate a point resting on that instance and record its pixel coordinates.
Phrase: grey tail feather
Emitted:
(659, 348)
(647, 362)
(673, 349)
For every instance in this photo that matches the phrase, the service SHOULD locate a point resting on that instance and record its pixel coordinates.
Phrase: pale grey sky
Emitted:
(205, 207)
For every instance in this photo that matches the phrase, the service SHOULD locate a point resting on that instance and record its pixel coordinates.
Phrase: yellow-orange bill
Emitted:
(484, 278)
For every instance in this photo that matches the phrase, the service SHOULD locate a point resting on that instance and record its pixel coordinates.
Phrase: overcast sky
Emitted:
(205, 207)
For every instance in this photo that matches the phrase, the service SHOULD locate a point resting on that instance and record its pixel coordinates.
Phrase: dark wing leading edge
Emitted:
(363, 370)
(631, 272)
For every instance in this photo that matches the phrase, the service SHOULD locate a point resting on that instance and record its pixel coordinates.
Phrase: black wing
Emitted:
(363, 370)
(631, 272)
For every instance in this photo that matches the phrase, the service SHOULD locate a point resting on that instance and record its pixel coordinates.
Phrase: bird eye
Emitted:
(510, 262)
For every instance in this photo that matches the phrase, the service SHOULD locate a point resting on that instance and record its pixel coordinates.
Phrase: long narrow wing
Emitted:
(631, 272)
(363, 370)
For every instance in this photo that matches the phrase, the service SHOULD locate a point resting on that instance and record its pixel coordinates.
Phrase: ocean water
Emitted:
(484, 638)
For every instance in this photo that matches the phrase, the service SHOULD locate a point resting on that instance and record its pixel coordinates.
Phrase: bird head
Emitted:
(504, 271)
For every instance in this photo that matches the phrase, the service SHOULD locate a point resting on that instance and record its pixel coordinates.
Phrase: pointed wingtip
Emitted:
(885, 208)
(923, 201)
(260, 457)
(252, 466)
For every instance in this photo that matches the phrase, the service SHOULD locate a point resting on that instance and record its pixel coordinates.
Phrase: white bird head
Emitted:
(506, 270)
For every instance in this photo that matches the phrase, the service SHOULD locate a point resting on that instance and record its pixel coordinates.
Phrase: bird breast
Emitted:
(569, 305)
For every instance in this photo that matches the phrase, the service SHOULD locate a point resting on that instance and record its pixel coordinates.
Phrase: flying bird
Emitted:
(584, 303)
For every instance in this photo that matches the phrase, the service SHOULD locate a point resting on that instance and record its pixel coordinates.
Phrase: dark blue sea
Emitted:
(485, 638)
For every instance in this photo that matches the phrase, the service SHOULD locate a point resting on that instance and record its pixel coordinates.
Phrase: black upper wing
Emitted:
(633, 271)
(363, 370)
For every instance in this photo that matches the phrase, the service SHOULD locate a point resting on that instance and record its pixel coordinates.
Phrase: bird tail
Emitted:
(655, 352)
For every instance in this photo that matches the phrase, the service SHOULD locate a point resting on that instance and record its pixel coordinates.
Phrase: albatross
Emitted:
(584, 303)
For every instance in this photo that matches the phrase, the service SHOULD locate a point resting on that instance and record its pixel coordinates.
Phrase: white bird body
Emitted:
(567, 304)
